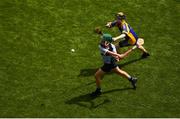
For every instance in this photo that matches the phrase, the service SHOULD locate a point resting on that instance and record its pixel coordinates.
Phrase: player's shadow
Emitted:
(130, 62)
(87, 100)
(92, 71)
(87, 72)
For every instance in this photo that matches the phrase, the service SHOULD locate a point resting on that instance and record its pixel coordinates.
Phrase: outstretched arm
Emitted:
(111, 24)
(119, 37)
(114, 54)
(127, 52)
(121, 56)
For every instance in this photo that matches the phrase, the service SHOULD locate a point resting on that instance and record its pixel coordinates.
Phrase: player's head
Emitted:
(120, 16)
(106, 39)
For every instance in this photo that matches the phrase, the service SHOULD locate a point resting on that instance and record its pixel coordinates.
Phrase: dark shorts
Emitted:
(125, 42)
(108, 67)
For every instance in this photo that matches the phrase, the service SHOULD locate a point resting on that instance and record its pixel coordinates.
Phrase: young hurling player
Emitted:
(127, 33)
(110, 56)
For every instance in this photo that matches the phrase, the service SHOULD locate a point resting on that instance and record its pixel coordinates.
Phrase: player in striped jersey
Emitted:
(127, 33)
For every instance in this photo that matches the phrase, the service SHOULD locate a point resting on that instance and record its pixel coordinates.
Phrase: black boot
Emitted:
(145, 55)
(133, 81)
(97, 92)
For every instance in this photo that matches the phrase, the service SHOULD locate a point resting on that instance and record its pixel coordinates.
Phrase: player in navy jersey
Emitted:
(127, 33)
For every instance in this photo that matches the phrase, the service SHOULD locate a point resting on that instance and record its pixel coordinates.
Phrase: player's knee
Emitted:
(96, 75)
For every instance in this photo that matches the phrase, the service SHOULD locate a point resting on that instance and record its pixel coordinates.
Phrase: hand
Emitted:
(117, 59)
(119, 56)
(98, 31)
(108, 24)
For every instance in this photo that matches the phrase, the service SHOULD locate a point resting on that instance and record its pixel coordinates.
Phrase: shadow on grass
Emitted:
(84, 85)
(87, 100)
(129, 62)
(92, 71)
(87, 72)
(117, 90)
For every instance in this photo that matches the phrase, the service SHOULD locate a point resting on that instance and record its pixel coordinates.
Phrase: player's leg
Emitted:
(124, 43)
(120, 72)
(98, 76)
(142, 49)
(145, 52)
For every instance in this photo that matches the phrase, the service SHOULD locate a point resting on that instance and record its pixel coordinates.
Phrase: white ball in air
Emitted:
(72, 50)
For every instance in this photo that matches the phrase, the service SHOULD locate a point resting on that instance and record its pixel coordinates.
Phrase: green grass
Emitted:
(40, 77)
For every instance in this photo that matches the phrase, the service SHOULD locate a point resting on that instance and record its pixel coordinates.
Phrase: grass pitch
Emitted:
(41, 77)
